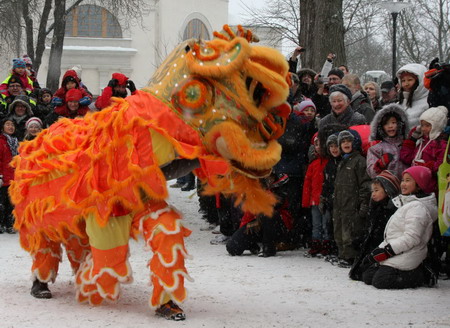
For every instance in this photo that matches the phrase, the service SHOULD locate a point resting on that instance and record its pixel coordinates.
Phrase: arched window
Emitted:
(196, 29)
(92, 21)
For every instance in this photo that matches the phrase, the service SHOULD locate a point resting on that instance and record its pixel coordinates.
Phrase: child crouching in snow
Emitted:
(397, 260)
(262, 229)
(385, 187)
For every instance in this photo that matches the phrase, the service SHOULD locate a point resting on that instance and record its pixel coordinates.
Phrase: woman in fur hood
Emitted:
(389, 127)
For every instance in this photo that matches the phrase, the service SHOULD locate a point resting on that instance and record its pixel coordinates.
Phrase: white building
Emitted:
(101, 43)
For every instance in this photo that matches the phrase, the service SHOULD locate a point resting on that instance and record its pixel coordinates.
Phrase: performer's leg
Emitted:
(164, 233)
(45, 267)
(107, 266)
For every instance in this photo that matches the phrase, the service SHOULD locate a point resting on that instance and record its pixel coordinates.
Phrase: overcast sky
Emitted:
(235, 9)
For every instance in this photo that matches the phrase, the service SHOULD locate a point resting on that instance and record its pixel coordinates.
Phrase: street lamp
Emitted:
(394, 8)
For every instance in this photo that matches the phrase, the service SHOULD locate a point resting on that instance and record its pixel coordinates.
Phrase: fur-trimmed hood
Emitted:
(419, 71)
(376, 129)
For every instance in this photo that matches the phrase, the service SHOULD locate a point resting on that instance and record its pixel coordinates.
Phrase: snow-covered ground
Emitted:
(288, 290)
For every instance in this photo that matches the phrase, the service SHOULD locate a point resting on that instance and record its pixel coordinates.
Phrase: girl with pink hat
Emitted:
(397, 262)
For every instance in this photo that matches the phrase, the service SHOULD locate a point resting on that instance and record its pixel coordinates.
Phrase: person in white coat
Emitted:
(413, 94)
(398, 259)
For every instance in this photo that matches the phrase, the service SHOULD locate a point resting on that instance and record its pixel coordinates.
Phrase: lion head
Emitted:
(233, 93)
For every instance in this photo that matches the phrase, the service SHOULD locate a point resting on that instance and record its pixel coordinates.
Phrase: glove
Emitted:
(113, 83)
(57, 101)
(383, 162)
(416, 133)
(433, 63)
(85, 101)
(131, 86)
(381, 254)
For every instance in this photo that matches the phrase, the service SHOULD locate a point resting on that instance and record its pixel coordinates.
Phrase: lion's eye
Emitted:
(256, 90)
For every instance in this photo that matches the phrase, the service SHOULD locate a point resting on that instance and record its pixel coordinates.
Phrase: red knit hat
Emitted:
(423, 177)
(122, 79)
(73, 95)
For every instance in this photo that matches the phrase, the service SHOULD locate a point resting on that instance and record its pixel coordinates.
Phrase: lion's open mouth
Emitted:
(251, 173)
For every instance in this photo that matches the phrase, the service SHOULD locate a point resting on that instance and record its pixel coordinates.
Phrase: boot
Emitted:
(268, 251)
(40, 290)
(316, 248)
(171, 311)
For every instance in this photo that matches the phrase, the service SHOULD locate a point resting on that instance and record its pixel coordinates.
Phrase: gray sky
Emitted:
(235, 9)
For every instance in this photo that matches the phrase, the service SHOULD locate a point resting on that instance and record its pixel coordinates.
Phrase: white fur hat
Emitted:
(437, 117)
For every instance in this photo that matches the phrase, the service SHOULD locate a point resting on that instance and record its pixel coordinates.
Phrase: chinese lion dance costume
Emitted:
(91, 183)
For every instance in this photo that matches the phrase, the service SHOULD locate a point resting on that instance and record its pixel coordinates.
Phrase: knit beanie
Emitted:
(437, 117)
(33, 120)
(121, 78)
(342, 89)
(18, 63)
(305, 103)
(423, 177)
(390, 183)
(337, 72)
(73, 95)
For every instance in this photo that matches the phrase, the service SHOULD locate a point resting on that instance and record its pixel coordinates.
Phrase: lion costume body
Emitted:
(90, 183)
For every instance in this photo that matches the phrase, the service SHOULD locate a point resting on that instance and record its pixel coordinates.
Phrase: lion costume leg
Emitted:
(107, 266)
(46, 260)
(164, 234)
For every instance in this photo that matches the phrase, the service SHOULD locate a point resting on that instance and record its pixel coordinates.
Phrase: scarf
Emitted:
(13, 144)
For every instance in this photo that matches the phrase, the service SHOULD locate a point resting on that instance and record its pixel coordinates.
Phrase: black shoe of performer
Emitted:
(40, 290)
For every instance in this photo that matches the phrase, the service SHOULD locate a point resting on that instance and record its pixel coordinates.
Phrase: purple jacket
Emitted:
(387, 146)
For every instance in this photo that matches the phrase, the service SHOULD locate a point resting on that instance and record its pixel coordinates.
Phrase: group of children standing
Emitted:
(383, 207)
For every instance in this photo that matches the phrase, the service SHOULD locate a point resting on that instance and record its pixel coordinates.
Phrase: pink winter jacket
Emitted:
(432, 152)
(312, 186)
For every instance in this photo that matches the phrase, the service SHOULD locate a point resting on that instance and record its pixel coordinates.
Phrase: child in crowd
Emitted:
(44, 103)
(413, 94)
(389, 127)
(8, 149)
(397, 260)
(19, 70)
(71, 109)
(70, 81)
(33, 126)
(312, 189)
(351, 197)
(385, 187)
(306, 110)
(326, 197)
(19, 112)
(426, 143)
